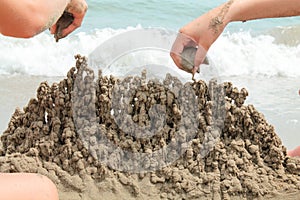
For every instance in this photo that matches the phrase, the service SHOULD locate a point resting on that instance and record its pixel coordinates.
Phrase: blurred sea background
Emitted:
(262, 56)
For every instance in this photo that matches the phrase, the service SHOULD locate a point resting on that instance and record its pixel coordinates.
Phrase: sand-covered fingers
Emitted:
(187, 54)
(178, 51)
(77, 8)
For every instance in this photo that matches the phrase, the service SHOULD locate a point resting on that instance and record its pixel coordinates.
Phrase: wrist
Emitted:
(224, 13)
(233, 13)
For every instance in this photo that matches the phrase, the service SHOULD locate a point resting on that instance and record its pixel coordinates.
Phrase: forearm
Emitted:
(205, 30)
(27, 18)
(243, 10)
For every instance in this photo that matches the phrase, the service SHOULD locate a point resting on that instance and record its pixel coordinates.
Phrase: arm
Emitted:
(243, 10)
(207, 28)
(27, 18)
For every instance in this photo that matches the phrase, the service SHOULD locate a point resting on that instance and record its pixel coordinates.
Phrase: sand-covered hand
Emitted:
(187, 54)
(64, 21)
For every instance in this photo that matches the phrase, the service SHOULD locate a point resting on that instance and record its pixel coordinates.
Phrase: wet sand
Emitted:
(16, 91)
(234, 154)
(271, 100)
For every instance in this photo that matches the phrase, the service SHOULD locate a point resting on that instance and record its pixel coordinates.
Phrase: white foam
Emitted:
(243, 54)
(232, 54)
(42, 56)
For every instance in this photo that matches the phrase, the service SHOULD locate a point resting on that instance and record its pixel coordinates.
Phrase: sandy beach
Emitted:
(124, 133)
(231, 153)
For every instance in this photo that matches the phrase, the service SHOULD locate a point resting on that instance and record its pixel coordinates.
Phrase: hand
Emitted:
(188, 62)
(201, 33)
(78, 9)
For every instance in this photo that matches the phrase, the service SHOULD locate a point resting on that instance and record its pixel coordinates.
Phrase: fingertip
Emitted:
(53, 29)
(176, 59)
(76, 24)
(195, 69)
(174, 56)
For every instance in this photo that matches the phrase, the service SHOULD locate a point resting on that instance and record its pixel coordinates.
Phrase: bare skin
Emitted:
(205, 30)
(78, 8)
(27, 18)
(27, 186)
(295, 152)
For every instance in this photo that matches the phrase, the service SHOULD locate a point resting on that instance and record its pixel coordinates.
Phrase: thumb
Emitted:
(199, 58)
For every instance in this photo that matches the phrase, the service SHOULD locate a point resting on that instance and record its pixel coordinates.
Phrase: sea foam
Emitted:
(239, 53)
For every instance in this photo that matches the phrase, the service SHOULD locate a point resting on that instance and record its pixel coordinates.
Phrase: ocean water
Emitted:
(262, 55)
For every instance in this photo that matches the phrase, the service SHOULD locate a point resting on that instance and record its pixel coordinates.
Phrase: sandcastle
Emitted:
(219, 148)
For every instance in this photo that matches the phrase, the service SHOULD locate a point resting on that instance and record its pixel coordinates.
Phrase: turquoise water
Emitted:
(170, 14)
(154, 13)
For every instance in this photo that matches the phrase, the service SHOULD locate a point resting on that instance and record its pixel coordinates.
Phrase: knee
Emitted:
(295, 152)
(27, 186)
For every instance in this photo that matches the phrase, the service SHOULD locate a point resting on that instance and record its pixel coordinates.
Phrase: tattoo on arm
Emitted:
(217, 21)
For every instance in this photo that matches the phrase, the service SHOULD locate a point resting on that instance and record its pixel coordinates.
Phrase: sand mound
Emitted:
(213, 146)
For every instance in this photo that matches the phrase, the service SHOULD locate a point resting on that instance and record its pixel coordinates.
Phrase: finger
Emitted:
(178, 46)
(177, 59)
(199, 58)
(53, 29)
(181, 42)
(68, 30)
(76, 23)
(176, 50)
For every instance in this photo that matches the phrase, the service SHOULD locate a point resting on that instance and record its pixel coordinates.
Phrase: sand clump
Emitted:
(232, 153)
(63, 22)
(188, 57)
